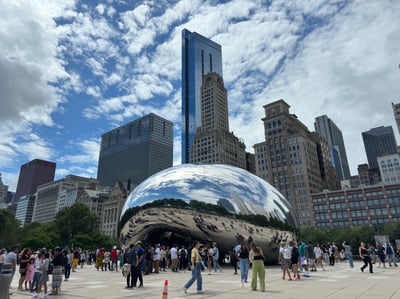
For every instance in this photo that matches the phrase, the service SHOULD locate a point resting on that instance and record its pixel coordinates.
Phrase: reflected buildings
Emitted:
(174, 220)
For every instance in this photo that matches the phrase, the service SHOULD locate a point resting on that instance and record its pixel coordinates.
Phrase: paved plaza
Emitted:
(336, 282)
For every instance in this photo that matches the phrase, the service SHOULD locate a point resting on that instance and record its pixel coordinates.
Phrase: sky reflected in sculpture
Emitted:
(234, 188)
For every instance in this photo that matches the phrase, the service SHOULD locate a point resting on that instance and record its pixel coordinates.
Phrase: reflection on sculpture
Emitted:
(210, 203)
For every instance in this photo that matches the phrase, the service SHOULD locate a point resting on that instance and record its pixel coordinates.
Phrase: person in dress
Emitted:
(30, 272)
(23, 263)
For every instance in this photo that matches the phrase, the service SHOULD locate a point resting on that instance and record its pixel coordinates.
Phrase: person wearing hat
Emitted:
(114, 259)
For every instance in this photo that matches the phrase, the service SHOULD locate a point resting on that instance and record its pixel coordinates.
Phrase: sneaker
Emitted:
(35, 296)
(43, 297)
(200, 292)
(184, 290)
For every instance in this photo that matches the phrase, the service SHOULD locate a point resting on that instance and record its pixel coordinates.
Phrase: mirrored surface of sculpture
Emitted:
(209, 203)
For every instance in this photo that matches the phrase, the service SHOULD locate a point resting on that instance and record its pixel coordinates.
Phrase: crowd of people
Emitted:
(139, 259)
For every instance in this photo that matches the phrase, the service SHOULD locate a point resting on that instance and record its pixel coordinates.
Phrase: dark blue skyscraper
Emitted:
(200, 56)
(133, 152)
(333, 135)
(379, 141)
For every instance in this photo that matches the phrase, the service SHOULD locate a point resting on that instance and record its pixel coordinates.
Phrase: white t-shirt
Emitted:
(3, 258)
(318, 252)
(157, 254)
(174, 253)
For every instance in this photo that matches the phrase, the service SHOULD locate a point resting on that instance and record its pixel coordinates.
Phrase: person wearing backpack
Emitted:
(284, 257)
(182, 258)
(295, 259)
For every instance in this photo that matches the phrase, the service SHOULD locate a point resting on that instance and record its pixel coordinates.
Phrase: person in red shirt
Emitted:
(114, 259)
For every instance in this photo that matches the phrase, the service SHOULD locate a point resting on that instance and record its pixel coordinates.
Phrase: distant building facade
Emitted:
(3, 191)
(112, 210)
(32, 174)
(366, 206)
(133, 152)
(378, 142)
(53, 196)
(396, 112)
(94, 200)
(389, 168)
(291, 159)
(333, 135)
(25, 208)
(213, 143)
(200, 56)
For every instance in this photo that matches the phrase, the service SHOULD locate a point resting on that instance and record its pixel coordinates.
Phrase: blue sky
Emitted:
(72, 70)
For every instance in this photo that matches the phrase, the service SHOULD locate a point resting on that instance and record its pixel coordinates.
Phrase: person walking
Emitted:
(196, 270)
(114, 259)
(258, 268)
(295, 259)
(348, 253)
(303, 257)
(318, 256)
(215, 258)
(284, 257)
(390, 254)
(363, 252)
(243, 255)
(233, 259)
(380, 252)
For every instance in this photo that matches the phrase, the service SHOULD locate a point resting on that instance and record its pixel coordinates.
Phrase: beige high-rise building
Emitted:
(213, 143)
(290, 159)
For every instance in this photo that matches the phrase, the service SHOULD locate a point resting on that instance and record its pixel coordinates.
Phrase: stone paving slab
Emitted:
(336, 282)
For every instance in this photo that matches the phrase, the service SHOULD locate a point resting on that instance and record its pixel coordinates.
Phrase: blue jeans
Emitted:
(35, 281)
(244, 269)
(350, 258)
(196, 275)
(216, 265)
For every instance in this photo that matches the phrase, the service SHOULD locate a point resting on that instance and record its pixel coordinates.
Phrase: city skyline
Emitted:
(80, 68)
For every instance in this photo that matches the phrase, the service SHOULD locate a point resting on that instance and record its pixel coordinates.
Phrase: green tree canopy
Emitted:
(9, 228)
(73, 220)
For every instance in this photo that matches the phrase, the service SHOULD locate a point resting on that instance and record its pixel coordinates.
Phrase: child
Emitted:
(30, 271)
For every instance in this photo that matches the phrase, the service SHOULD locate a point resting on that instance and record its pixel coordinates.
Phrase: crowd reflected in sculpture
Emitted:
(215, 202)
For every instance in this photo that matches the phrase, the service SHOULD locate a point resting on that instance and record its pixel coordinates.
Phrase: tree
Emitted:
(73, 220)
(9, 228)
(92, 241)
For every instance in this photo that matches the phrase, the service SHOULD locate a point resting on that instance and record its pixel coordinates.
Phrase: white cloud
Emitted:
(111, 65)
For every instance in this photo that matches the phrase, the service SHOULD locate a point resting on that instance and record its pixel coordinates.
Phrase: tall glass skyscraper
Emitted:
(133, 152)
(333, 135)
(200, 56)
(379, 141)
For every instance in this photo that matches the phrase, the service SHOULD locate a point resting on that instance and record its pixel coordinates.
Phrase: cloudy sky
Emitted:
(72, 70)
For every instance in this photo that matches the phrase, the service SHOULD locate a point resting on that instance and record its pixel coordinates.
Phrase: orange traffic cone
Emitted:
(165, 291)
